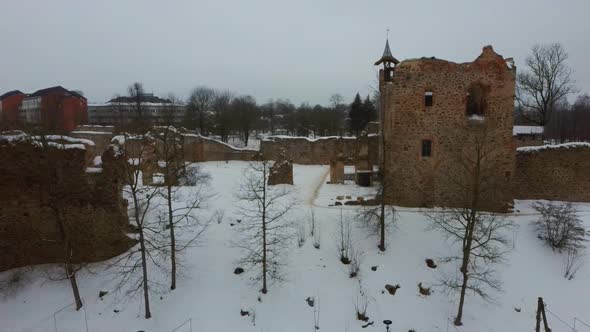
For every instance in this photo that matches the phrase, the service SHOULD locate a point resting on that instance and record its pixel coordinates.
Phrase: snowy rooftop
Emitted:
(526, 130)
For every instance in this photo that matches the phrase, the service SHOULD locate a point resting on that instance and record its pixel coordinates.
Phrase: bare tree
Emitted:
(246, 112)
(480, 235)
(138, 154)
(60, 197)
(546, 82)
(136, 93)
(180, 210)
(222, 114)
(265, 232)
(200, 104)
(379, 218)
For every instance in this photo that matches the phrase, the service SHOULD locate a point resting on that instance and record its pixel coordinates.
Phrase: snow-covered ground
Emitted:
(211, 296)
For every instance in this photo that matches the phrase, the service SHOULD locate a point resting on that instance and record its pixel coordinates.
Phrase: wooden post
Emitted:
(547, 329)
(539, 304)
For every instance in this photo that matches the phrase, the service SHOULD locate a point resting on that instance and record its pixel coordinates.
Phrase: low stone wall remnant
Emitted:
(553, 172)
(42, 183)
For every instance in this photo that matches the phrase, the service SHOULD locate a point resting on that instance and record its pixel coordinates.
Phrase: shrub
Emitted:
(560, 227)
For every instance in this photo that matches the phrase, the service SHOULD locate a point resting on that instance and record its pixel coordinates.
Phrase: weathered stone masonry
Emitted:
(558, 172)
(93, 208)
(407, 121)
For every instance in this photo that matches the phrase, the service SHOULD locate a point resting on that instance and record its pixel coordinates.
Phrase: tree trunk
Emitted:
(172, 238)
(146, 296)
(72, 276)
(264, 289)
(382, 225)
(383, 187)
(463, 289)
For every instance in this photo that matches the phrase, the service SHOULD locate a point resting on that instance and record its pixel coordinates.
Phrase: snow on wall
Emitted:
(527, 130)
(533, 149)
(17, 137)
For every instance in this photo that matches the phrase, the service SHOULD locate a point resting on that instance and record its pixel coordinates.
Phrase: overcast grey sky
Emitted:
(303, 50)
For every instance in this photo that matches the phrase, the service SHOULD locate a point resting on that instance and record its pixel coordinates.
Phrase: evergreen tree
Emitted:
(370, 109)
(357, 115)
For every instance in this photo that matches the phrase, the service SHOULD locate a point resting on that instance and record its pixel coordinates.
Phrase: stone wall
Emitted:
(43, 185)
(320, 151)
(408, 120)
(554, 172)
(198, 148)
(102, 140)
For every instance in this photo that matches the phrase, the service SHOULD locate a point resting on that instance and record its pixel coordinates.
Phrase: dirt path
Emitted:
(316, 191)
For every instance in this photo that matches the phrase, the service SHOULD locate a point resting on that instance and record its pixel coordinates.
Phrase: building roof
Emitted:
(11, 93)
(387, 56)
(527, 130)
(58, 88)
(145, 98)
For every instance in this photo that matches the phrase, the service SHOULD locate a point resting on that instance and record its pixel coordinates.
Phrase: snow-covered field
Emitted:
(211, 296)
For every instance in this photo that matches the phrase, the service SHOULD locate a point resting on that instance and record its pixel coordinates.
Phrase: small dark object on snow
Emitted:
(232, 224)
(345, 260)
(517, 309)
(238, 270)
(259, 299)
(424, 291)
(310, 301)
(368, 324)
(161, 297)
(362, 316)
(374, 268)
(412, 330)
(238, 220)
(244, 313)
(102, 293)
(392, 289)
(116, 311)
(430, 263)
(351, 203)
(338, 203)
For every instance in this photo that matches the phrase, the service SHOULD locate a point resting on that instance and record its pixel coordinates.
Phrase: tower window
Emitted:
(476, 100)
(426, 148)
(428, 98)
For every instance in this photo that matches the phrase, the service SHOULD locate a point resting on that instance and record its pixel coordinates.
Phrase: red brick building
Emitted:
(54, 108)
(10, 103)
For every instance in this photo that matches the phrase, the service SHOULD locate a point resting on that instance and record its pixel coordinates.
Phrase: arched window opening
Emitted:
(476, 101)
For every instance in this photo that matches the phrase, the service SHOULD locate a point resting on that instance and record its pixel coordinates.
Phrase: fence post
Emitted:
(538, 325)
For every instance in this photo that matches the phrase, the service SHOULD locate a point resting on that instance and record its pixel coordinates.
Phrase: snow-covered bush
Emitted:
(354, 266)
(192, 176)
(559, 226)
(562, 229)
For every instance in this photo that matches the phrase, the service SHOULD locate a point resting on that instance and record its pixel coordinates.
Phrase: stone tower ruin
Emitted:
(430, 109)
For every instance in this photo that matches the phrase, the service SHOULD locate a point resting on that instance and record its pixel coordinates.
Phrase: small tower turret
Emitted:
(388, 61)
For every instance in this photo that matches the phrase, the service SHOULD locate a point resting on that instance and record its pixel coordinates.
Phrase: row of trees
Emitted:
(223, 114)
